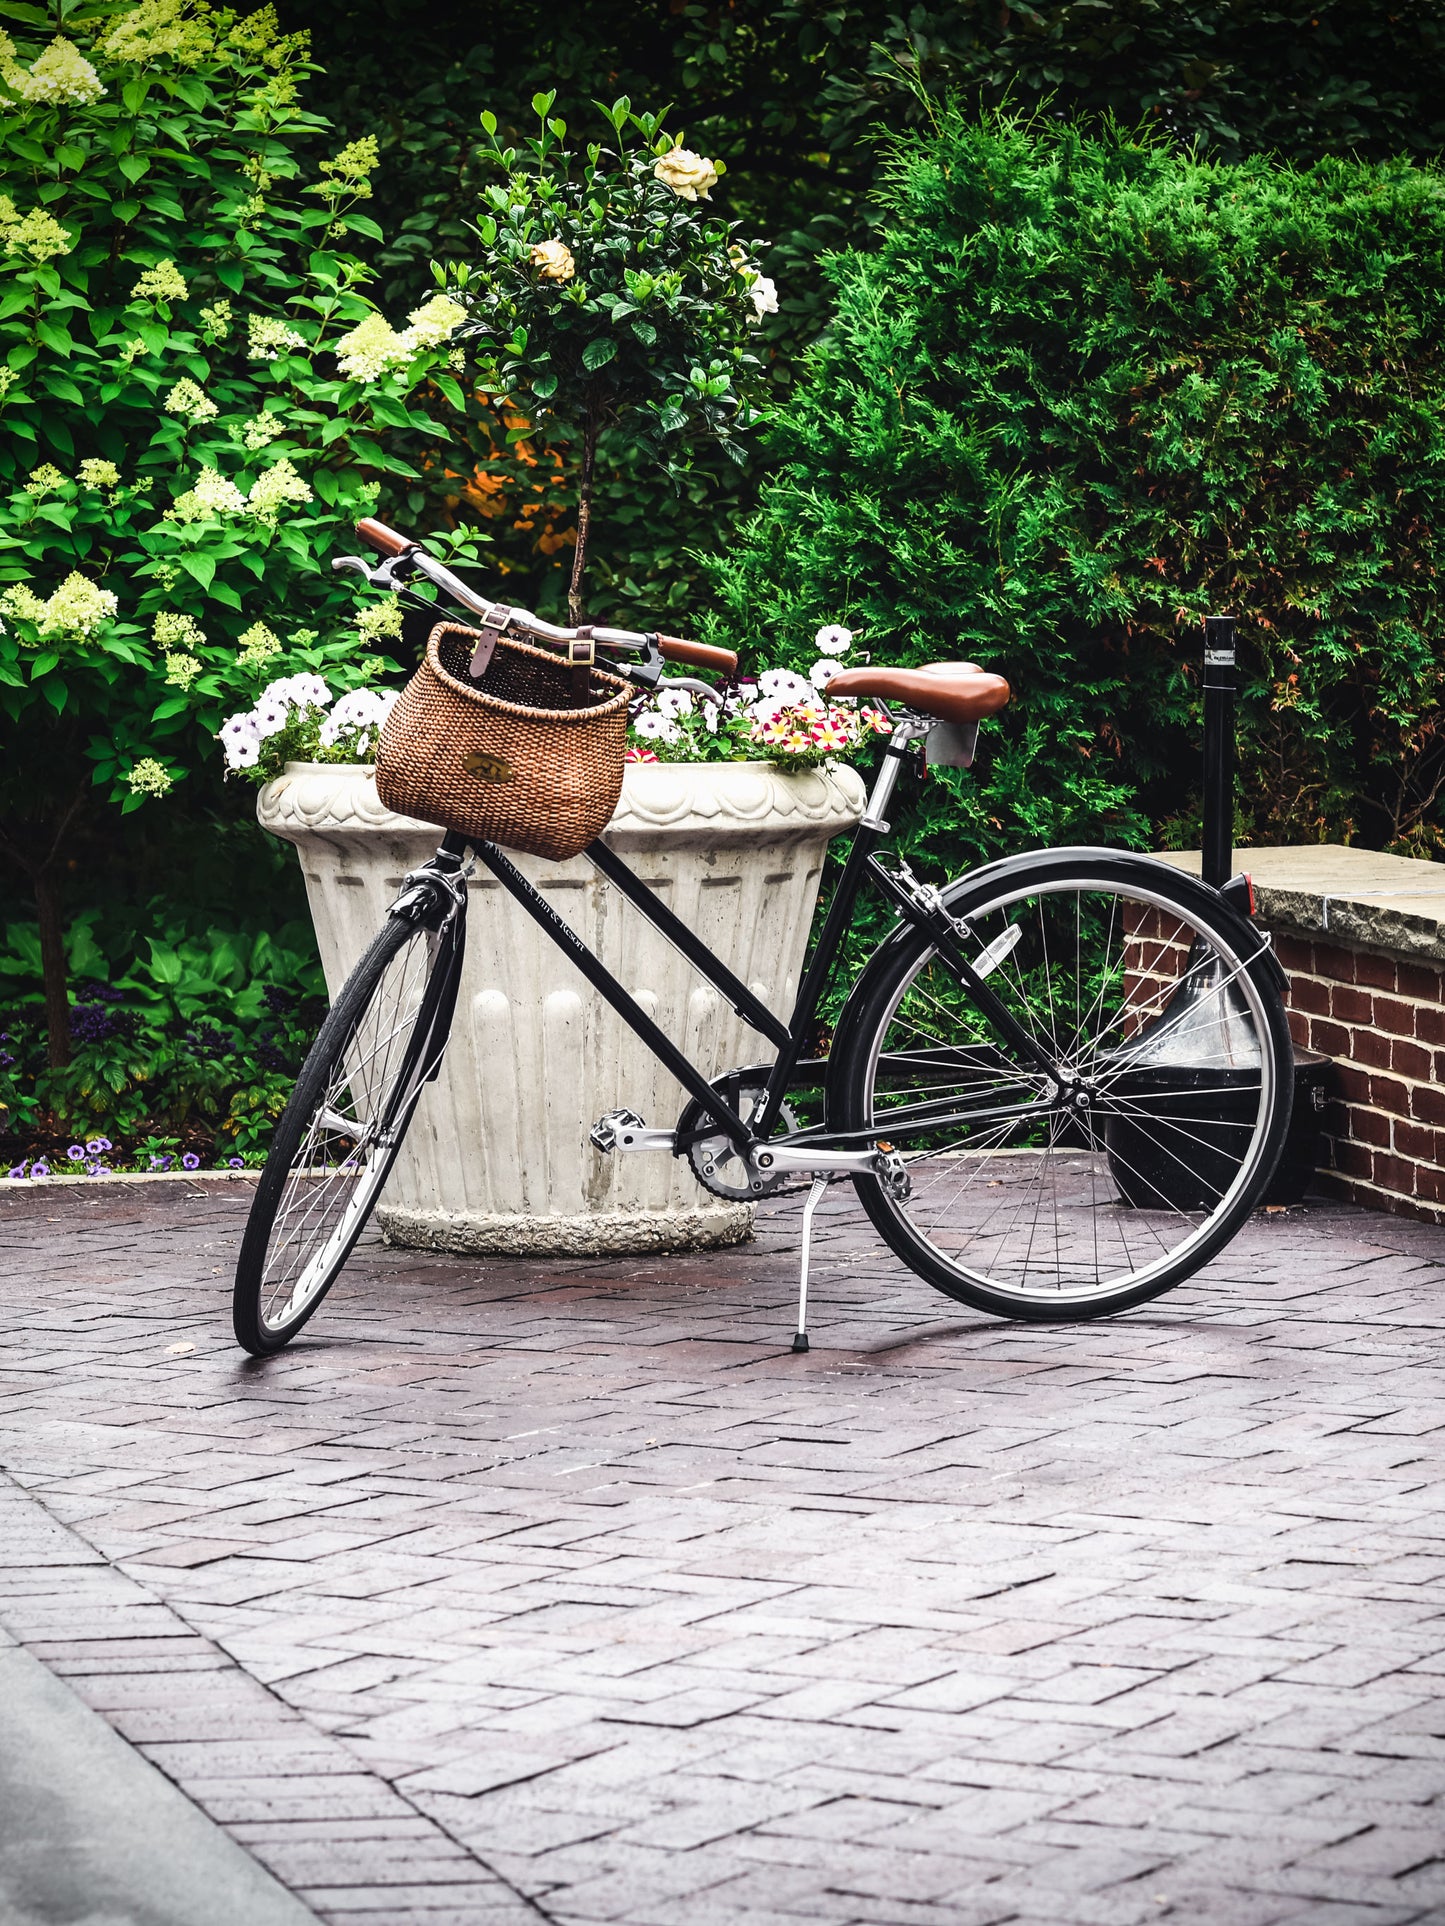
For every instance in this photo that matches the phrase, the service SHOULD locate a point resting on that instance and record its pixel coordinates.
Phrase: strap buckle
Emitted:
(582, 655)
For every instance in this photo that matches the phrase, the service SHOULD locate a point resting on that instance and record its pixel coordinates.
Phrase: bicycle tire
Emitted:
(1157, 1155)
(377, 1072)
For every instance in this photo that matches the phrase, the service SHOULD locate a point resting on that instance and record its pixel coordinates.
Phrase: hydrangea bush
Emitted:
(196, 400)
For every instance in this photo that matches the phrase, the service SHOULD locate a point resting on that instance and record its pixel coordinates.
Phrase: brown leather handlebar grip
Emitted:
(384, 540)
(698, 654)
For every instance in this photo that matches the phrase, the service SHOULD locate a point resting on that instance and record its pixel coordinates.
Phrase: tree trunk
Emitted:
(584, 522)
(52, 966)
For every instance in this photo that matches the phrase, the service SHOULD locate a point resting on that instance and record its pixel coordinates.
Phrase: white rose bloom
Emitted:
(833, 639)
(687, 174)
(765, 296)
(823, 671)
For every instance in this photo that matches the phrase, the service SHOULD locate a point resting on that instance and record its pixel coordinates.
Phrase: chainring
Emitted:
(716, 1164)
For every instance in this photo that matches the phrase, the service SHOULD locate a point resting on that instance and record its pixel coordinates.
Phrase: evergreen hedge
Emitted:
(1086, 390)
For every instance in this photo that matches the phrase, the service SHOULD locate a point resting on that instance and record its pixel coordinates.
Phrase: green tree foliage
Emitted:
(790, 93)
(1086, 390)
(602, 291)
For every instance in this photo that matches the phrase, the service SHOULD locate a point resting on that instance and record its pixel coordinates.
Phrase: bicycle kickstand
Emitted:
(800, 1338)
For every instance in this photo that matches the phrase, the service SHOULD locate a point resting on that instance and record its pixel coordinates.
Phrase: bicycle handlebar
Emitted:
(386, 541)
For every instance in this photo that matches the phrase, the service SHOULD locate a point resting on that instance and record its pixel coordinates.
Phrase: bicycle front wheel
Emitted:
(339, 1135)
(1079, 1194)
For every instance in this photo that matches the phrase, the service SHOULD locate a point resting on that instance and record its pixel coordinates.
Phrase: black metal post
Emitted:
(1218, 841)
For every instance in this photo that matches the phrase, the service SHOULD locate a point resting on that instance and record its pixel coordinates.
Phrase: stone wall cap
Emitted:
(1359, 897)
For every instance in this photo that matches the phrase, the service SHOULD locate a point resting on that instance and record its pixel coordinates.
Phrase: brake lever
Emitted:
(395, 569)
(691, 682)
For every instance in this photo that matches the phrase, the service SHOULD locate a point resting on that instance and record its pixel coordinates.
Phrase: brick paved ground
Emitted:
(527, 1592)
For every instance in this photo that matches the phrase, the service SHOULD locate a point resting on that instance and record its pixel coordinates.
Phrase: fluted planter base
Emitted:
(497, 1157)
(603, 1233)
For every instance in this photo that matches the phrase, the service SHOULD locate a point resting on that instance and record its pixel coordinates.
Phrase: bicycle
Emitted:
(1058, 1087)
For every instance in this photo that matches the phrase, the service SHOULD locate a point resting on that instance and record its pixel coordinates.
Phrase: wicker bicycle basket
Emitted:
(520, 757)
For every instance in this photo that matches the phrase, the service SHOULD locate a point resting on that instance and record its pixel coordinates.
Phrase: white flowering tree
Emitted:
(606, 289)
(196, 399)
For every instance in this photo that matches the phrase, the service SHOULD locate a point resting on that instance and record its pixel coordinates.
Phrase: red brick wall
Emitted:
(1383, 1021)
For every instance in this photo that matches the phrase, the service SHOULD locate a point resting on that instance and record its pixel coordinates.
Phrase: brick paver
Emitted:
(529, 1591)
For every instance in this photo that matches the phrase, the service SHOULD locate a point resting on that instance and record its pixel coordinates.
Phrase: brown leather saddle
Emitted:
(952, 691)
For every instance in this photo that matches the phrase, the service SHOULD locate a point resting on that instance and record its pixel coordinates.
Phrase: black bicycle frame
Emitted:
(922, 908)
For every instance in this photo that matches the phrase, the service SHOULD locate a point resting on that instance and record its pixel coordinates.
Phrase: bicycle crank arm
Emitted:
(804, 1161)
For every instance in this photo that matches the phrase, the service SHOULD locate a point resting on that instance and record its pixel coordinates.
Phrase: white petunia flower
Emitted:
(833, 639)
(653, 727)
(823, 671)
(674, 702)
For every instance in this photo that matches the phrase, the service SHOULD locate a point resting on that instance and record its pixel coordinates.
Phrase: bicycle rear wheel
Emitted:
(339, 1135)
(1078, 1197)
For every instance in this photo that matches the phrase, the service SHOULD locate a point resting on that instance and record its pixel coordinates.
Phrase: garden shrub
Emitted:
(196, 401)
(1087, 390)
(187, 1036)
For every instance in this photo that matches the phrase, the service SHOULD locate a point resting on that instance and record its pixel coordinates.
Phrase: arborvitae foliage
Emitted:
(1087, 390)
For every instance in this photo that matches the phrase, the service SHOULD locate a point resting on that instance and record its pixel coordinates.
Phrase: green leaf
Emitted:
(134, 166)
(489, 121)
(542, 104)
(598, 352)
(451, 388)
(197, 563)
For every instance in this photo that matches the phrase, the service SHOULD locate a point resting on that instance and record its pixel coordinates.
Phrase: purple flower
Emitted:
(92, 1169)
(191, 1161)
(76, 1153)
(98, 1144)
(236, 1163)
(163, 1161)
(40, 1170)
(16, 1170)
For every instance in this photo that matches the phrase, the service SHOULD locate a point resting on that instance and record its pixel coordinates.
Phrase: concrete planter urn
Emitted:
(497, 1157)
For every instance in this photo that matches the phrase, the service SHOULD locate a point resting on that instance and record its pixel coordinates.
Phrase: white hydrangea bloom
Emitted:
(150, 778)
(258, 645)
(276, 486)
(213, 495)
(430, 325)
(181, 670)
(172, 630)
(266, 337)
(190, 401)
(61, 77)
(261, 430)
(371, 349)
(78, 607)
(99, 474)
(379, 620)
(163, 282)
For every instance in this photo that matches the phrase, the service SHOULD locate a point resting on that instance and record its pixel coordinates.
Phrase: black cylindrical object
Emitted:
(1218, 839)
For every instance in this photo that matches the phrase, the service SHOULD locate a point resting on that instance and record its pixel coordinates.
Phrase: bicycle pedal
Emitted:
(609, 1130)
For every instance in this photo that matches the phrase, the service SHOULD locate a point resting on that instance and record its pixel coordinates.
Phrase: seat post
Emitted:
(886, 781)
